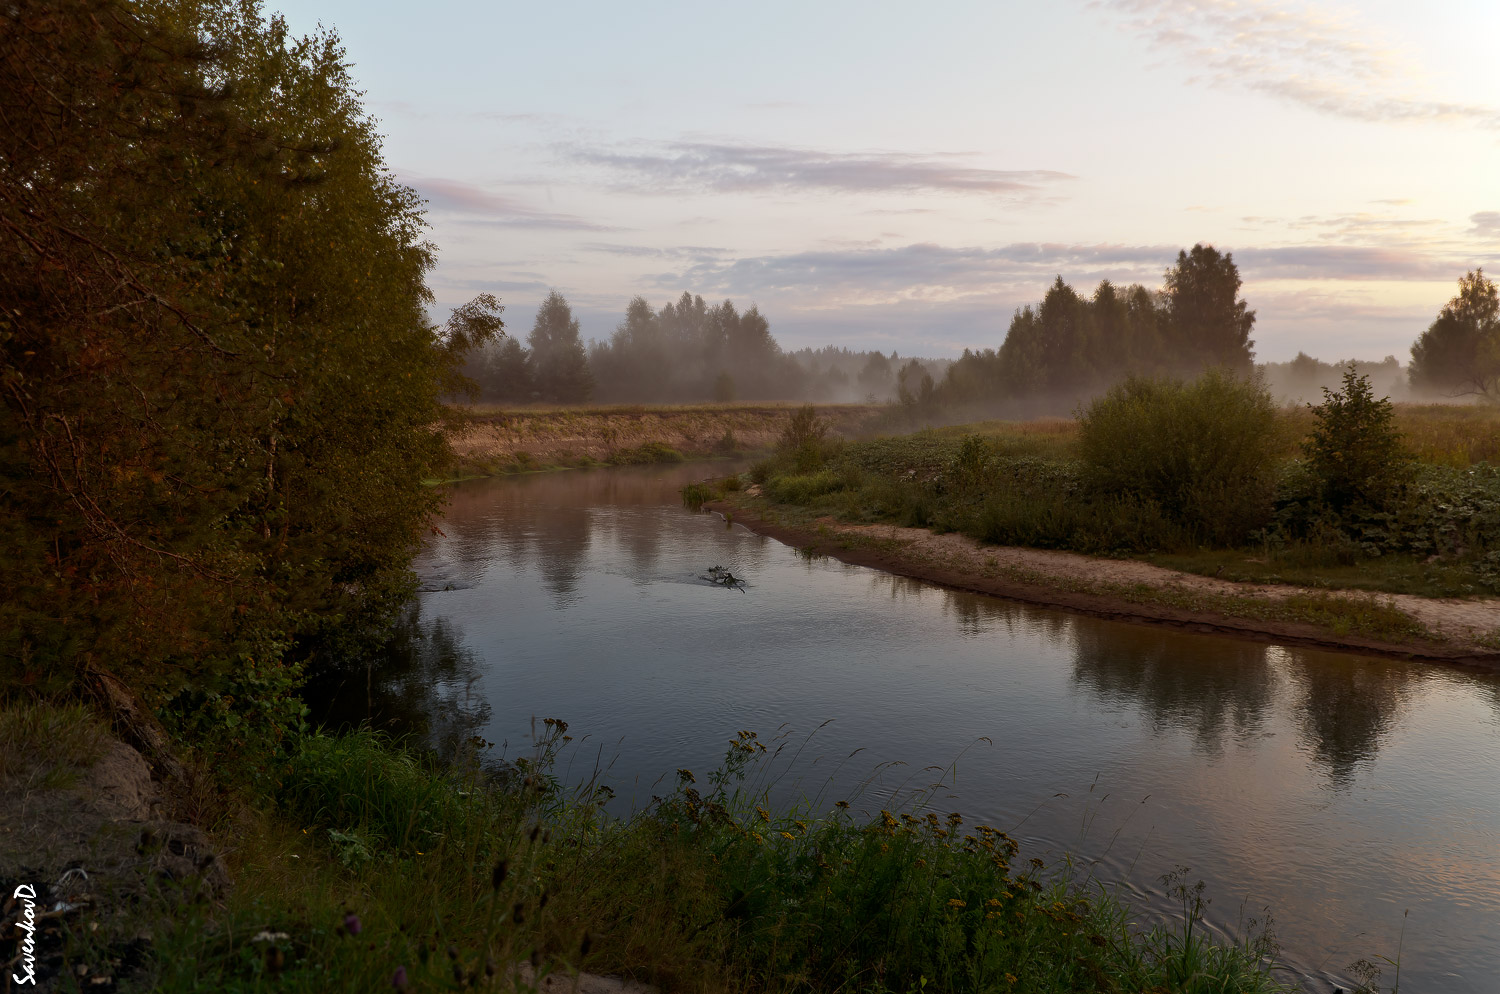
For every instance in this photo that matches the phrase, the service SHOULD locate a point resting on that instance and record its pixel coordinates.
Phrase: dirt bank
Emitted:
(84, 849)
(1458, 631)
(510, 440)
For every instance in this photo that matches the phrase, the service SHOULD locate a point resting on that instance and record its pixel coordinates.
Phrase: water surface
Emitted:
(1338, 791)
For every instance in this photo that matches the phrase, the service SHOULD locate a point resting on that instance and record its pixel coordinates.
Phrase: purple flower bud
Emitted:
(399, 980)
(351, 922)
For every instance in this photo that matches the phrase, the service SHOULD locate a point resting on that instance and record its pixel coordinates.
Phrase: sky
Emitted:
(903, 177)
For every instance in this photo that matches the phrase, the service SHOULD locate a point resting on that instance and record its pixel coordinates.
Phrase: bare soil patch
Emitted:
(98, 860)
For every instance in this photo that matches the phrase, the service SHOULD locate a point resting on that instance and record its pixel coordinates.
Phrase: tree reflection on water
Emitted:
(1348, 706)
(1222, 689)
(1215, 688)
(420, 686)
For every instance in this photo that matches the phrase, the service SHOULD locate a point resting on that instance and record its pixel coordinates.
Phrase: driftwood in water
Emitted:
(720, 576)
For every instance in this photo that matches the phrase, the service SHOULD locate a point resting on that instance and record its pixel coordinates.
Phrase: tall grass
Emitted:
(1457, 435)
(45, 745)
(462, 874)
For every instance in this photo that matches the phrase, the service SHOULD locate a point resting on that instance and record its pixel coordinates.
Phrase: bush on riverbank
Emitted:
(1355, 450)
(1201, 451)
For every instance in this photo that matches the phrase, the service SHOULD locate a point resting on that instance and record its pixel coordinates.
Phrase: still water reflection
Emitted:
(1334, 789)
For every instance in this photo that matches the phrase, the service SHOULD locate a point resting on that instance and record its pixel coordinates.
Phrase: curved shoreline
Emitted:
(943, 562)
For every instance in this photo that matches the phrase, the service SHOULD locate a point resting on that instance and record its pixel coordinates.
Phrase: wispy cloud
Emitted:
(925, 270)
(1023, 270)
(900, 211)
(1317, 60)
(468, 203)
(1344, 262)
(692, 252)
(1353, 228)
(735, 168)
(1486, 224)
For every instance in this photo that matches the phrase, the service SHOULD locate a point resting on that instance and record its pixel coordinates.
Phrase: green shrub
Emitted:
(1355, 450)
(243, 724)
(803, 488)
(1439, 513)
(970, 464)
(804, 428)
(912, 900)
(1204, 450)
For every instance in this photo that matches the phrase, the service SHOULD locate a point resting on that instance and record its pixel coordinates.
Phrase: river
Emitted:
(1358, 799)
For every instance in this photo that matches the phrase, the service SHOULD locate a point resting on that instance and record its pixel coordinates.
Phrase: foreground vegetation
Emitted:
(1207, 477)
(361, 866)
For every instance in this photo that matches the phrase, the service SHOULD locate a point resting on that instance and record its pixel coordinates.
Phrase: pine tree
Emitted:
(560, 366)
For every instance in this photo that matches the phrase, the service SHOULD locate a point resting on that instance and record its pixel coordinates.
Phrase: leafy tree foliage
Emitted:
(1206, 321)
(914, 386)
(1304, 378)
(686, 352)
(1355, 449)
(1460, 352)
(219, 384)
(560, 367)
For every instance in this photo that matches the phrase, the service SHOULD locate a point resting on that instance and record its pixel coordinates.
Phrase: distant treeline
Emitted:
(689, 351)
(1304, 379)
(1071, 347)
(1065, 350)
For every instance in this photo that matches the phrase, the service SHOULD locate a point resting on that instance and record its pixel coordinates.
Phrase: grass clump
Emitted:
(647, 454)
(902, 901)
(1454, 435)
(695, 495)
(44, 745)
(803, 488)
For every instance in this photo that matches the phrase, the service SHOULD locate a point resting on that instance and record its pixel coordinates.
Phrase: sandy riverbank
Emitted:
(1462, 631)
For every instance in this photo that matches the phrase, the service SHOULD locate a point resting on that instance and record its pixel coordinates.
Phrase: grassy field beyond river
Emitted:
(518, 440)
